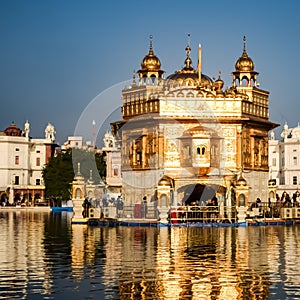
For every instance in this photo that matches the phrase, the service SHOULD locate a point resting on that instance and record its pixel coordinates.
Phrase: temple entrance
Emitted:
(4, 199)
(200, 194)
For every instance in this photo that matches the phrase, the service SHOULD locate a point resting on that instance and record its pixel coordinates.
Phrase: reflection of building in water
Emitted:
(187, 130)
(78, 251)
(211, 264)
(20, 248)
(191, 263)
(137, 274)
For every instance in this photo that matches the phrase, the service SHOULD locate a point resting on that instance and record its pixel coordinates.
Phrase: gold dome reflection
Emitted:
(177, 263)
(197, 263)
(78, 251)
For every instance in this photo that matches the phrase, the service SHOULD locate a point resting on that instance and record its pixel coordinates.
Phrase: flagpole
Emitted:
(199, 63)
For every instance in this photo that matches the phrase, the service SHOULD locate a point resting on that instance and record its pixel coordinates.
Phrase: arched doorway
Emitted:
(165, 192)
(27, 198)
(17, 198)
(241, 200)
(164, 200)
(3, 199)
(200, 193)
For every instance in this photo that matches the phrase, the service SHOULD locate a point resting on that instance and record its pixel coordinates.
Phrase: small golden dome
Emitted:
(244, 63)
(151, 62)
(218, 84)
(241, 181)
(272, 182)
(164, 182)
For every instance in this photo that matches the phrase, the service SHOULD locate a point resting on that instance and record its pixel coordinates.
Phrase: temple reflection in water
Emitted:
(43, 254)
(196, 263)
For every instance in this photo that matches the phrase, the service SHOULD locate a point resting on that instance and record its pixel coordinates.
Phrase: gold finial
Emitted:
(150, 48)
(188, 60)
(188, 48)
(78, 168)
(244, 40)
(219, 74)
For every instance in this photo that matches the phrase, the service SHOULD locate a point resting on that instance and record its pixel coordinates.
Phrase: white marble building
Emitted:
(112, 150)
(22, 159)
(284, 159)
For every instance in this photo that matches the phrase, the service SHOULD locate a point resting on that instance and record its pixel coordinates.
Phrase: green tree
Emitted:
(59, 173)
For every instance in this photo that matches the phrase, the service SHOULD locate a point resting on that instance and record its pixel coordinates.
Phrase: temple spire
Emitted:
(244, 40)
(188, 60)
(150, 47)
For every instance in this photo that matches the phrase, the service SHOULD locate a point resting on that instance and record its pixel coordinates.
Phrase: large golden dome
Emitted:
(244, 63)
(188, 76)
(151, 62)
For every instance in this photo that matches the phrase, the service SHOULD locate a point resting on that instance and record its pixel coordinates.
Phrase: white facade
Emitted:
(21, 163)
(112, 150)
(76, 142)
(284, 160)
(73, 142)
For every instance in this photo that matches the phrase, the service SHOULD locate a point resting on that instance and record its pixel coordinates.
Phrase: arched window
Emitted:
(164, 201)
(153, 79)
(116, 172)
(144, 79)
(78, 193)
(245, 81)
(242, 200)
(201, 150)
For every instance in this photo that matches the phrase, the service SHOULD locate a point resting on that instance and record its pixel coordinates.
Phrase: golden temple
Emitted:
(185, 138)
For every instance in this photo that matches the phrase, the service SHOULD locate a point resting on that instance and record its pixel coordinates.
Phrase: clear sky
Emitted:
(57, 56)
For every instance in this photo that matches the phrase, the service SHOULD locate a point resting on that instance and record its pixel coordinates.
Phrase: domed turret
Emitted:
(150, 67)
(244, 63)
(13, 130)
(218, 84)
(241, 181)
(151, 62)
(244, 70)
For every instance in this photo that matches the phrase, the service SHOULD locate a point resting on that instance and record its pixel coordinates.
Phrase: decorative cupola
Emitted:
(241, 191)
(218, 85)
(150, 67)
(244, 74)
(13, 130)
(78, 193)
(90, 187)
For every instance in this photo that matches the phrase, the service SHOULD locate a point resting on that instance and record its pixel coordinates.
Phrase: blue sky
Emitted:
(57, 56)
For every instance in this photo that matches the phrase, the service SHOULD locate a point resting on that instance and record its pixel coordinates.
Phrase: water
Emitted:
(43, 256)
